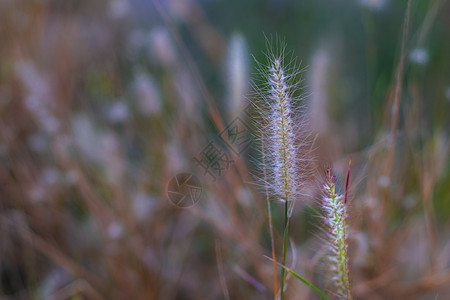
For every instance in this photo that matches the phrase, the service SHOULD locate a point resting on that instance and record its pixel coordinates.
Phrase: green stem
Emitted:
(286, 227)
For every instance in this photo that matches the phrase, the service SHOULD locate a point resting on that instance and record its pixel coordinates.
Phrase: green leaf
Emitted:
(318, 292)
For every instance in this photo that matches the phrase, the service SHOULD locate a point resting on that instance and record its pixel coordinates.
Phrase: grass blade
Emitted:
(306, 282)
(318, 292)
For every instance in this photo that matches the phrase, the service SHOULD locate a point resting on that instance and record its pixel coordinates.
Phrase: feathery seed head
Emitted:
(282, 127)
(281, 135)
(335, 220)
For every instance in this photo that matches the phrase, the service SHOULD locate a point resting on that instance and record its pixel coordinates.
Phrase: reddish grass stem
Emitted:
(274, 259)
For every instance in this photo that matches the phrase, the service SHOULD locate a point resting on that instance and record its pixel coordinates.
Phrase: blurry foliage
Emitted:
(86, 152)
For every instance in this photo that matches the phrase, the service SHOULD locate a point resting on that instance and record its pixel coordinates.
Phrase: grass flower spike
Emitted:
(283, 137)
(335, 220)
(281, 133)
(282, 129)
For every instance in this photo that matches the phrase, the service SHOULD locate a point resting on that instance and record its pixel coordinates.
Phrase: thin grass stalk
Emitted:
(286, 228)
(396, 105)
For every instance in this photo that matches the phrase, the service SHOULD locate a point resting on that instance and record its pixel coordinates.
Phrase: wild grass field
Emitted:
(252, 149)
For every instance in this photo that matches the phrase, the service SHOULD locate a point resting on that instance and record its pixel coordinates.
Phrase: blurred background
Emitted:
(104, 103)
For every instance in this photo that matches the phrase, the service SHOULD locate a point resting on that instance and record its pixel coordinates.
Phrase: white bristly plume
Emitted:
(283, 131)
